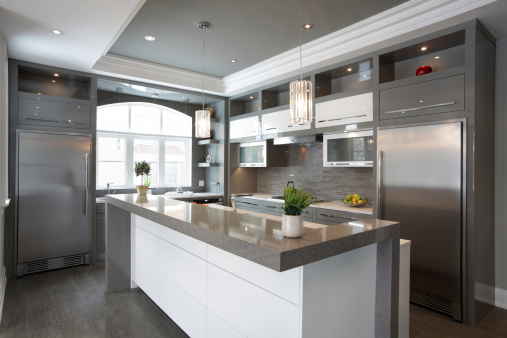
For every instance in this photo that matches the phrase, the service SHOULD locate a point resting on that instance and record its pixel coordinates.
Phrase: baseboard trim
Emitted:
(3, 286)
(491, 295)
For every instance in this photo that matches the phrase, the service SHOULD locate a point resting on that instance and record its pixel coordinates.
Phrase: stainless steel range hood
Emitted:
(298, 139)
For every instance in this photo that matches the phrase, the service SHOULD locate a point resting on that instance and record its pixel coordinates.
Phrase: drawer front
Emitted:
(183, 241)
(54, 114)
(145, 224)
(248, 204)
(217, 328)
(431, 97)
(279, 122)
(146, 255)
(100, 208)
(189, 314)
(336, 216)
(283, 284)
(239, 302)
(100, 222)
(352, 109)
(272, 208)
(185, 270)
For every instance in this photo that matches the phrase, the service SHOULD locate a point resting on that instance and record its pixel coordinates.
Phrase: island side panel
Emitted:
(387, 287)
(118, 260)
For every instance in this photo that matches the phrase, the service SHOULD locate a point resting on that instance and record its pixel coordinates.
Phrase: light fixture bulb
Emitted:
(437, 57)
(349, 69)
(234, 61)
(56, 74)
(56, 32)
(149, 38)
(424, 48)
(307, 26)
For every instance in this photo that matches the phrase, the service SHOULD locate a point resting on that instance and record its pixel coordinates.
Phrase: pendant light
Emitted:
(301, 102)
(202, 117)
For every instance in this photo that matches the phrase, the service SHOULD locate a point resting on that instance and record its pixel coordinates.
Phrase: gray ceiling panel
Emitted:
(249, 31)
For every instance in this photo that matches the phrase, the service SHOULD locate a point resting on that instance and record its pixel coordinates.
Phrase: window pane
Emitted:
(175, 164)
(113, 118)
(176, 124)
(145, 119)
(147, 150)
(111, 172)
(110, 148)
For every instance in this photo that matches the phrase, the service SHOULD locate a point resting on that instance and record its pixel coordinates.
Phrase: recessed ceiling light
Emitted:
(251, 97)
(437, 57)
(349, 69)
(424, 48)
(234, 61)
(53, 80)
(56, 32)
(56, 74)
(149, 38)
(307, 26)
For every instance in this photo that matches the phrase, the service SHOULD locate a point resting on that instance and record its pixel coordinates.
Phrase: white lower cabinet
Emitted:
(184, 269)
(253, 311)
(184, 310)
(146, 256)
(217, 328)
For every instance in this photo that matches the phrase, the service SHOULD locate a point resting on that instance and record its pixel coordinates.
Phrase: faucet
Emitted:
(291, 182)
(108, 184)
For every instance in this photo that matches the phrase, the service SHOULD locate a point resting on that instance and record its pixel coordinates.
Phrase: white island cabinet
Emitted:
(189, 279)
(218, 273)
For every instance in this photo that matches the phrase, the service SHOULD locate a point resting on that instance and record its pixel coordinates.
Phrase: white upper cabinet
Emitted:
(352, 109)
(244, 127)
(279, 122)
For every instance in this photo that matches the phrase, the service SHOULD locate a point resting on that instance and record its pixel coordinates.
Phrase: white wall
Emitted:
(501, 170)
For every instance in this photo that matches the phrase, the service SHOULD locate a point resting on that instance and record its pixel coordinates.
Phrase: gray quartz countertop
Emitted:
(257, 239)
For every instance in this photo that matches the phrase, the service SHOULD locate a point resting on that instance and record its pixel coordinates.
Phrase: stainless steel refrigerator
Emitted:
(420, 177)
(53, 201)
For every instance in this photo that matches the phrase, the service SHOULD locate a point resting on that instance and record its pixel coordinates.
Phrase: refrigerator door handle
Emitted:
(86, 185)
(379, 180)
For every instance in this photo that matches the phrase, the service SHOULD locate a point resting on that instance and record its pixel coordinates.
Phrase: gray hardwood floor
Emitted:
(72, 303)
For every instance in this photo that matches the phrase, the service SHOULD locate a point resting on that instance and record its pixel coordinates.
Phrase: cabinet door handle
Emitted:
(423, 107)
(271, 128)
(343, 118)
(102, 219)
(326, 215)
(271, 207)
(86, 184)
(49, 120)
(352, 219)
(246, 203)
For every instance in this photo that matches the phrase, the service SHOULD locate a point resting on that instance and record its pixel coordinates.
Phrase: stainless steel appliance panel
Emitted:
(53, 215)
(421, 175)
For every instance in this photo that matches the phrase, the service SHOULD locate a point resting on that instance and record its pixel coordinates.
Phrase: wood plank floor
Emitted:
(72, 303)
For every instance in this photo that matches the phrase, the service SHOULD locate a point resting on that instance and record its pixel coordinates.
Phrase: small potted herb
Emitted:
(143, 169)
(296, 201)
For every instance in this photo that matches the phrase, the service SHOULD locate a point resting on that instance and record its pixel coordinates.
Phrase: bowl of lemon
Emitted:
(355, 200)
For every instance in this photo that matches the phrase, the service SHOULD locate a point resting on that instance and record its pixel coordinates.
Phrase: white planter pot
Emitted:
(292, 226)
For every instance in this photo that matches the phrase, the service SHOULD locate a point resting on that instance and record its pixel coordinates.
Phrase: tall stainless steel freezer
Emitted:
(53, 201)
(420, 177)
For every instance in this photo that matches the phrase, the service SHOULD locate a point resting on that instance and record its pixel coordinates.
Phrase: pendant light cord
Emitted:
(203, 53)
(300, 41)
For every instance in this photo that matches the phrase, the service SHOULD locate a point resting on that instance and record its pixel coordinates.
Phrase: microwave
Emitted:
(262, 154)
(351, 149)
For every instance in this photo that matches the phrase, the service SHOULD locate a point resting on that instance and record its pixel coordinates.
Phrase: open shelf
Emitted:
(277, 96)
(214, 120)
(245, 104)
(207, 165)
(352, 76)
(209, 141)
(442, 53)
(45, 82)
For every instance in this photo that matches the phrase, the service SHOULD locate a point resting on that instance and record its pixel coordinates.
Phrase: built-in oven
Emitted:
(350, 149)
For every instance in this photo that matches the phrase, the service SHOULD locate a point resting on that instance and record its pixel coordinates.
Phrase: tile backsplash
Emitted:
(306, 169)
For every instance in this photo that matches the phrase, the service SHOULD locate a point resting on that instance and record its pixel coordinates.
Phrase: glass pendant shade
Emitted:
(202, 124)
(301, 102)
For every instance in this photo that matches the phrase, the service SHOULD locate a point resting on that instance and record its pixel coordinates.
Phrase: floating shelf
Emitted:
(206, 165)
(214, 120)
(208, 141)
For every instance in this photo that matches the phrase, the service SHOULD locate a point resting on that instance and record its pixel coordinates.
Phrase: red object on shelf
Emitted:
(423, 70)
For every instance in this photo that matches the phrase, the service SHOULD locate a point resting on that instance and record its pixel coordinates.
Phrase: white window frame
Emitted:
(131, 180)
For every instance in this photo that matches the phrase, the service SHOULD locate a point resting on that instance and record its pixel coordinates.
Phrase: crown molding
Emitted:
(405, 18)
(114, 65)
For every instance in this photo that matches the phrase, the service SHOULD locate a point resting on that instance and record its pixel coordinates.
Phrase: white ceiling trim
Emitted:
(405, 18)
(113, 64)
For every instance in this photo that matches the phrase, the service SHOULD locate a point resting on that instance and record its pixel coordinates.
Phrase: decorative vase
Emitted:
(292, 226)
(423, 70)
(210, 158)
(142, 189)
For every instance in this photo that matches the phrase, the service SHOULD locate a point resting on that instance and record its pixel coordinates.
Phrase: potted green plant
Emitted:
(143, 169)
(295, 203)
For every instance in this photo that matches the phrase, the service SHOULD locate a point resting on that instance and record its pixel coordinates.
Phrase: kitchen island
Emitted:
(219, 273)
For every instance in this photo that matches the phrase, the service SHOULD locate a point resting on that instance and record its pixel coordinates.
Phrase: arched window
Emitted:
(135, 131)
